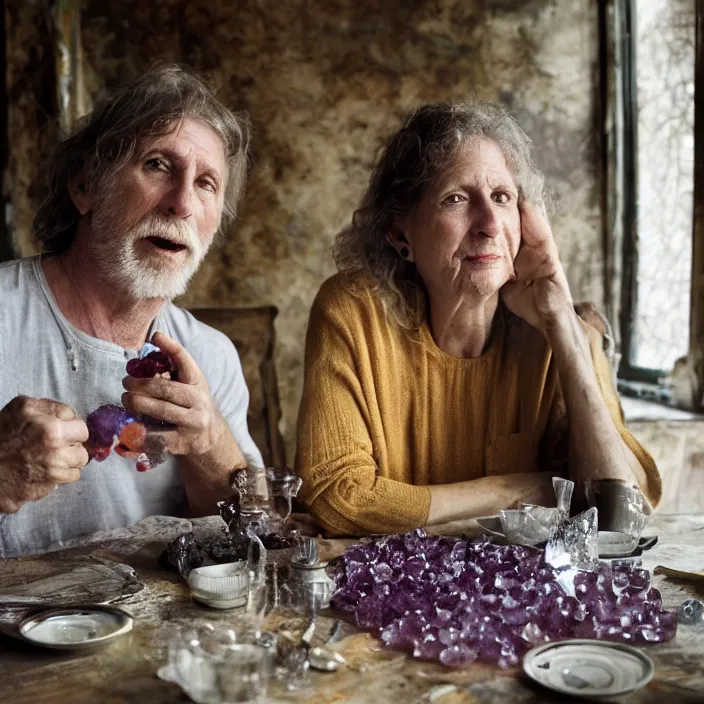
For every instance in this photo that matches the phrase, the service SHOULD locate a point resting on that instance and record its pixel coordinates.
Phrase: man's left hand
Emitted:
(184, 401)
(540, 293)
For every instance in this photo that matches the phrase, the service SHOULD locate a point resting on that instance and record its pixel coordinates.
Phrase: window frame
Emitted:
(696, 327)
(620, 120)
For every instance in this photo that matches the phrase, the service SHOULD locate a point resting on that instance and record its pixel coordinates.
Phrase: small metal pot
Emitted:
(309, 587)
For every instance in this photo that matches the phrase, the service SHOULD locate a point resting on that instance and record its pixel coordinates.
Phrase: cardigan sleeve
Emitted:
(335, 451)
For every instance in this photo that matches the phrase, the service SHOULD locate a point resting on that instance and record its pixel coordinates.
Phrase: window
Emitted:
(654, 56)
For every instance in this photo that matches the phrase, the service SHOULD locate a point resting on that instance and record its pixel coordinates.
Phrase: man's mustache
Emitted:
(179, 232)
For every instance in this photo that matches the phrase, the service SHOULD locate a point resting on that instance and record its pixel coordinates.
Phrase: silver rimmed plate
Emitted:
(589, 668)
(76, 628)
(611, 544)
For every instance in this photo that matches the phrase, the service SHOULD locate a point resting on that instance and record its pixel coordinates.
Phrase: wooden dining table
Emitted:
(126, 670)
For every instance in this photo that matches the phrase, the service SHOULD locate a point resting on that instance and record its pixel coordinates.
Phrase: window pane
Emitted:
(665, 87)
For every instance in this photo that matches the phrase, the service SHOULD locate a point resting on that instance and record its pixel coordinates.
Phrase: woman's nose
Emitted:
(486, 222)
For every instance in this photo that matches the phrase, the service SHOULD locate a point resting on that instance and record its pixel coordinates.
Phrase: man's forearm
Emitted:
(597, 450)
(206, 477)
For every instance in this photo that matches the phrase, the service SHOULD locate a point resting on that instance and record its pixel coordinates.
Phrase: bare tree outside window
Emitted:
(665, 50)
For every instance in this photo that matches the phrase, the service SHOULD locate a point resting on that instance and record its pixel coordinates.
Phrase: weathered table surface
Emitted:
(126, 670)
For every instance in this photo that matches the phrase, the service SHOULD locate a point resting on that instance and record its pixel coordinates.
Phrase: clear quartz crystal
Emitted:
(575, 542)
(691, 613)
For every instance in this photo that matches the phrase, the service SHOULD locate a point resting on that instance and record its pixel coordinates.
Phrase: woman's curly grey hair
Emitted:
(105, 140)
(420, 151)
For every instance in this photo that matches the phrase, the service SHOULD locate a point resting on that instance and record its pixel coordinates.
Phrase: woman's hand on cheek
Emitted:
(539, 293)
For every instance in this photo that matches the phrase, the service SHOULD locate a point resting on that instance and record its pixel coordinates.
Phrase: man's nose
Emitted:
(177, 201)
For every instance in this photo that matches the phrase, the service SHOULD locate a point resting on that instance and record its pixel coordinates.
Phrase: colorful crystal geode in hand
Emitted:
(457, 602)
(104, 424)
(149, 362)
(112, 427)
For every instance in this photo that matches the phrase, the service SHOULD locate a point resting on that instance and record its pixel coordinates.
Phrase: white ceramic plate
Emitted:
(76, 628)
(589, 668)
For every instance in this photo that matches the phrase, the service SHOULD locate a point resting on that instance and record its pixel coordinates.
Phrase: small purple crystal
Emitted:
(149, 362)
(457, 602)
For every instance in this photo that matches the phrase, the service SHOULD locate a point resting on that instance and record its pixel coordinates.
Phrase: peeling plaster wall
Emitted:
(325, 82)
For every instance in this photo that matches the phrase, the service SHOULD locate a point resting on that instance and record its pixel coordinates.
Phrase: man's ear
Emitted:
(80, 194)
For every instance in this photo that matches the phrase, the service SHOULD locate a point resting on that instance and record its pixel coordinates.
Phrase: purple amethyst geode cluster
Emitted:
(457, 601)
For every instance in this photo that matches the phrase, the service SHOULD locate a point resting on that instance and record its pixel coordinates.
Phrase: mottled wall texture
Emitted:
(31, 106)
(325, 81)
(678, 450)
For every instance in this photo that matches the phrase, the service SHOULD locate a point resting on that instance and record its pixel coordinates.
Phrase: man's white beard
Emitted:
(139, 276)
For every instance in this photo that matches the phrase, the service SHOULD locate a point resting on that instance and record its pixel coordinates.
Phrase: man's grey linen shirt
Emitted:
(43, 356)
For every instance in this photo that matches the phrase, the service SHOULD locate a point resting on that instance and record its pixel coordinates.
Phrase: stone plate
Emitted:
(589, 668)
(73, 580)
(76, 628)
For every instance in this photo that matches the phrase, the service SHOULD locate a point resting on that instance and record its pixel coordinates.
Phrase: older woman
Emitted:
(447, 374)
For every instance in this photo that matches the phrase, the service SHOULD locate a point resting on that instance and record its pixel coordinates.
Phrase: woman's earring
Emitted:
(403, 252)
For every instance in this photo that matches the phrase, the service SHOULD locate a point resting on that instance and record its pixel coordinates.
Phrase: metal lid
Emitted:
(296, 564)
(589, 668)
(76, 628)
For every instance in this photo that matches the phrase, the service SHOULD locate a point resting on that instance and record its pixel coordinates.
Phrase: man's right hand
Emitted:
(41, 445)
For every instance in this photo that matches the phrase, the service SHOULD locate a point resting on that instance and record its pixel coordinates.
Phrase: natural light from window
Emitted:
(665, 86)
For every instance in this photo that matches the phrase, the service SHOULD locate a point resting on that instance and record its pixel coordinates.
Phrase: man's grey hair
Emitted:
(421, 151)
(104, 142)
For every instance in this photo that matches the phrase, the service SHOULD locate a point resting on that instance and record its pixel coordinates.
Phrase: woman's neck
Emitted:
(94, 307)
(462, 328)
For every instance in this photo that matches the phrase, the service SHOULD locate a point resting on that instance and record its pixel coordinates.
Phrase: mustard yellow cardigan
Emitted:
(385, 412)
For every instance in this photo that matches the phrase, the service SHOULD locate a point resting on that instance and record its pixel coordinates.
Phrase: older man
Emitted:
(137, 195)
